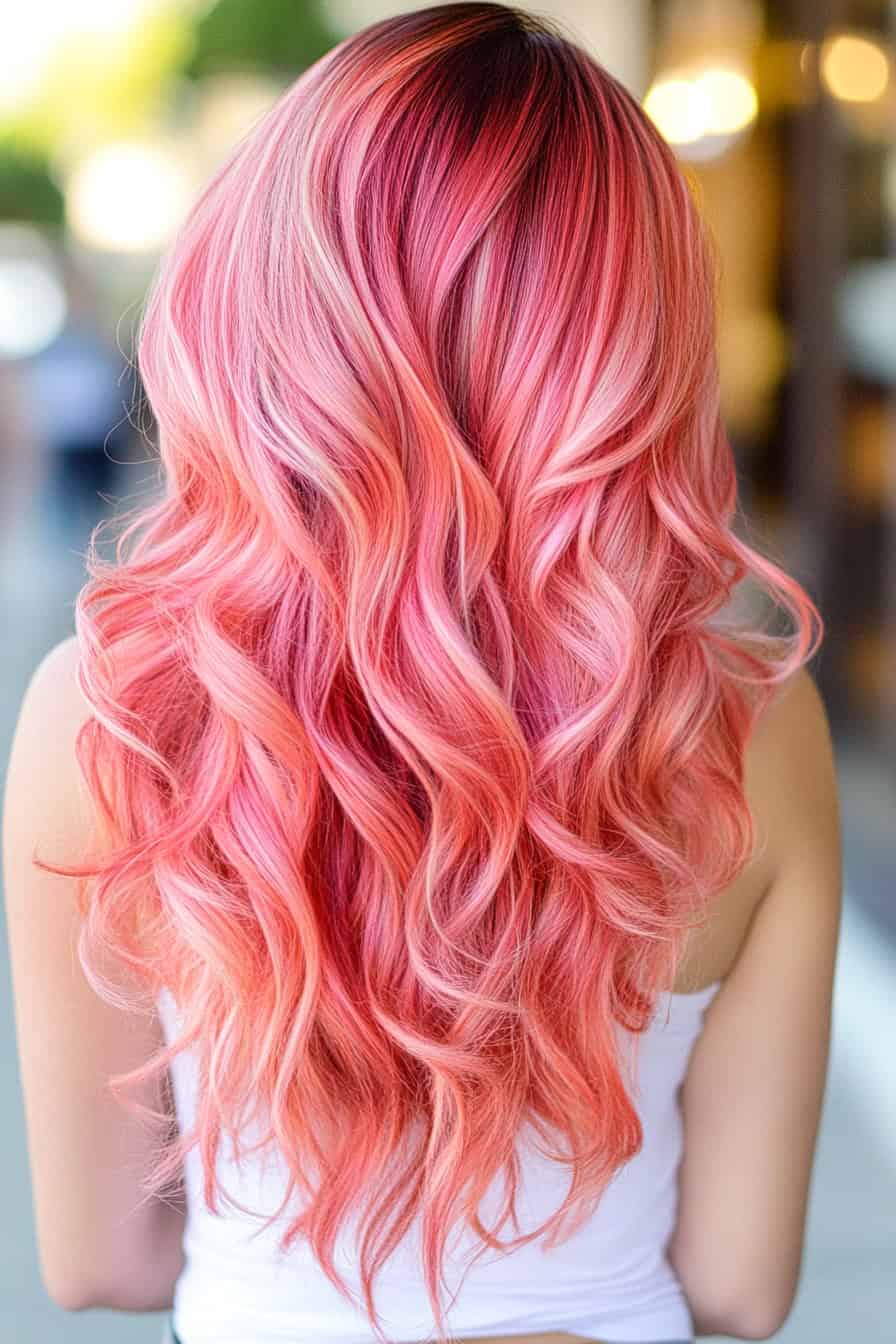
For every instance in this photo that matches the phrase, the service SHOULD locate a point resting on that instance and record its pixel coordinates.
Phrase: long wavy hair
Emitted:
(419, 704)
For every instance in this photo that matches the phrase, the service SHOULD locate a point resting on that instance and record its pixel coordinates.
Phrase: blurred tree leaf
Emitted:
(268, 35)
(27, 188)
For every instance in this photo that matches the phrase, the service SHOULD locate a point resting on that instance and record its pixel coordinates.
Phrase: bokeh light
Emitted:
(127, 197)
(731, 99)
(679, 109)
(32, 306)
(704, 110)
(854, 68)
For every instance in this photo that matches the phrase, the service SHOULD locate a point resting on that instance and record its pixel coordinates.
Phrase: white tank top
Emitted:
(610, 1280)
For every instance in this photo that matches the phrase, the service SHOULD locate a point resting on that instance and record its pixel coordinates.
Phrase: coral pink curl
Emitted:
(408, 695)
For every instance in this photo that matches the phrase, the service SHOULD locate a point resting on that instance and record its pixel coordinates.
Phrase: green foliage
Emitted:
(274, 36)
(27, 188)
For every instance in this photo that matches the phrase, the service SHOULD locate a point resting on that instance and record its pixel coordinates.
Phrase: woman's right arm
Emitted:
(752, 1097)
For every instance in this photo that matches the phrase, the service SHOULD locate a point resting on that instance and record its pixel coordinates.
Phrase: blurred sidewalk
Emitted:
(848, 1286)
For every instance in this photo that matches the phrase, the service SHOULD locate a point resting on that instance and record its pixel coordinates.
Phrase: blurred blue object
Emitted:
(78, 400)
(867, 306)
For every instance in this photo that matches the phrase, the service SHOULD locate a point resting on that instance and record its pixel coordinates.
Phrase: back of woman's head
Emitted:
(419, 743)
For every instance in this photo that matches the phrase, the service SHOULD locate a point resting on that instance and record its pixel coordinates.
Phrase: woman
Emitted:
(438, 823)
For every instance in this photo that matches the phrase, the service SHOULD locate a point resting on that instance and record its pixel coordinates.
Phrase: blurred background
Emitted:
(112, 115)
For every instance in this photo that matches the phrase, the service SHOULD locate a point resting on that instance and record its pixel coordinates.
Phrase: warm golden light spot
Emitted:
(854, 68)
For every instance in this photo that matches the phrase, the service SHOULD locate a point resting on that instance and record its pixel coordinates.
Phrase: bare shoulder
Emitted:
(791, 777)
(797, 702)
(53, 695)
(55, 676)
(44, 799)
(790, 788)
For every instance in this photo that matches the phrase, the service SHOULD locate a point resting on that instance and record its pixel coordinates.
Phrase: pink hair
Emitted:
(416, 727)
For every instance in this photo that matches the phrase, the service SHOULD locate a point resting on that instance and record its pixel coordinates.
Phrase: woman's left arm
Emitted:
(101, 1241)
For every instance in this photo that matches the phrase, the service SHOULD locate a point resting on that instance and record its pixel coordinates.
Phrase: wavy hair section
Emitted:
(419, 708)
